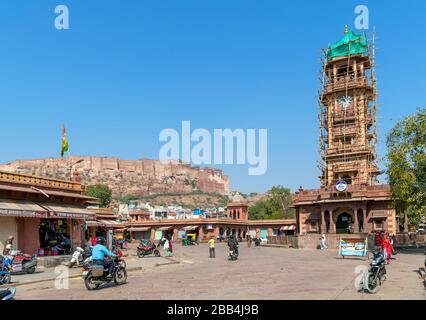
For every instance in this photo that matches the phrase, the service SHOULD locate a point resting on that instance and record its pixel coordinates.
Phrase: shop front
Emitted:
(139, 233)
(45, 216)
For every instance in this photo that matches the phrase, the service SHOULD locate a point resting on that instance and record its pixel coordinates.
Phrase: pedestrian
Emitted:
(387, 248)
(249, 240)
(212, 247)
(170, 246)
(166, 247)
(8, 246)
(323, 243)
(94, 240)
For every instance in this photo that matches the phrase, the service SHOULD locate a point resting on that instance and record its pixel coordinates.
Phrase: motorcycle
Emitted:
(233, 253)
(376, 274)
(97, 274)
(147, 248)
(79, 257)
(257, 242)
(23, 262)
(8, 293)
(5, 270)
(87, 263)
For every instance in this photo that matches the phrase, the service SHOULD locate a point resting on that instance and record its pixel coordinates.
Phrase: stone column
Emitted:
(175, 234)
(216, 232)
(355, 228)
(332, 225)
(152, 238)
(364, 218)
(200, 233)
(323, 225)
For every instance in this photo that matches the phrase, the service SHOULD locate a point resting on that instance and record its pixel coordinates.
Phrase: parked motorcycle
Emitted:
(8, 293)
(23, 262)
(79, 256)
(376, 274)
(97, 274)
(257, 242)
(233, 253)
(146, 248)
(5, 270)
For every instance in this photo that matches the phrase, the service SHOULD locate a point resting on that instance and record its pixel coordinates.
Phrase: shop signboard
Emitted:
(158, 235)
(353, 247)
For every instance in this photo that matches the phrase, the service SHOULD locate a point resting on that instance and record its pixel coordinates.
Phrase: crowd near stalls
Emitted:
(44, 216)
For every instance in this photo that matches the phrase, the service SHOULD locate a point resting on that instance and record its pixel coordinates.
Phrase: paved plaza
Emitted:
(260, 273)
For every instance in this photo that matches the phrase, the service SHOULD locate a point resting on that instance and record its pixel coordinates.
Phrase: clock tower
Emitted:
(350, 200)
(348, 112)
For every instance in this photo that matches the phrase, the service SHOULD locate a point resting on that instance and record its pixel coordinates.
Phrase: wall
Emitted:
(8, 227)
(311, 241)
(28, 241)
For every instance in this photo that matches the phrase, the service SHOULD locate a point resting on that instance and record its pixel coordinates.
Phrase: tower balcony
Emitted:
(347, 114)
(348, 150)
(345, 131)
(345, 167)
(346, 82)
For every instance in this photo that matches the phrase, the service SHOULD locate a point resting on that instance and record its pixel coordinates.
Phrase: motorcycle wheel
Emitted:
(88, 282)
(31, 270)
(141, 254)
(373, 283)
(157, 253)
(5, 279)
(120, 276)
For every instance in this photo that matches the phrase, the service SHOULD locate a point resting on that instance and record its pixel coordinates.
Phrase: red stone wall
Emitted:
(28, 235)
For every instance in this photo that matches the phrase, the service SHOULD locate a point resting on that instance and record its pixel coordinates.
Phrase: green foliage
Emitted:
(276, 206)
(406, 165)
(100, 191)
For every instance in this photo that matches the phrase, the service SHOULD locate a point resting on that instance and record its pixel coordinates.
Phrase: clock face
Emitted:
(345, 101)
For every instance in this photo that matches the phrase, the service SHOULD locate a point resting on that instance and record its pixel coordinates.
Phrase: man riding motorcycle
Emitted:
(99, 252)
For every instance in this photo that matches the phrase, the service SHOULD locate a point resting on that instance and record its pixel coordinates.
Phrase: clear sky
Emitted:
(128, 69)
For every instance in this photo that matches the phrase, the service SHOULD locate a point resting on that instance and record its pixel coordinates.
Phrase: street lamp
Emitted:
(73, 164)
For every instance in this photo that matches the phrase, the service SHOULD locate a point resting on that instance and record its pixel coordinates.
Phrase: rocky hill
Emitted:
(128, 177)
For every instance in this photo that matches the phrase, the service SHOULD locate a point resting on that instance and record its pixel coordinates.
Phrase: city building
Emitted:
(203, 227)
(41, 213)
(350, 199)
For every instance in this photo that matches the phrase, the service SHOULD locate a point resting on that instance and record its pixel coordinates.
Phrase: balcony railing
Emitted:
(344, 82)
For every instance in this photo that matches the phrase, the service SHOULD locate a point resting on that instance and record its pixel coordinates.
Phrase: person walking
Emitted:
(170, 246)
(167, 247)
(211, 244)
(8, 246)
(323, 242)
(249, 241)
(387, 248)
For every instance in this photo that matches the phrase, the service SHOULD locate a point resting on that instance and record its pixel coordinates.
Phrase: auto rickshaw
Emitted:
(191, 239)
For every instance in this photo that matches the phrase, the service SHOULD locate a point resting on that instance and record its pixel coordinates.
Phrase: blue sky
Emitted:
(128, 69)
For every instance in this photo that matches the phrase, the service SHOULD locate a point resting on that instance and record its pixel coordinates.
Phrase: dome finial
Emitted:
(346, 29)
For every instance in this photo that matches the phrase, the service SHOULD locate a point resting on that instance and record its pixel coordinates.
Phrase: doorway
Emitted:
(344, 223)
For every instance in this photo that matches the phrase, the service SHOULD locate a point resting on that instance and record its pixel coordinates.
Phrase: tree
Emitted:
(275, 206)
(100, 191)
(406, 166)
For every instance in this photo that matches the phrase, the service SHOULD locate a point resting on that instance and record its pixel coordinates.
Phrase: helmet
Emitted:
(101, 240)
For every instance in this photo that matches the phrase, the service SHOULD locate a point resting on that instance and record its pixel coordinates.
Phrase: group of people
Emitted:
(232, 244)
